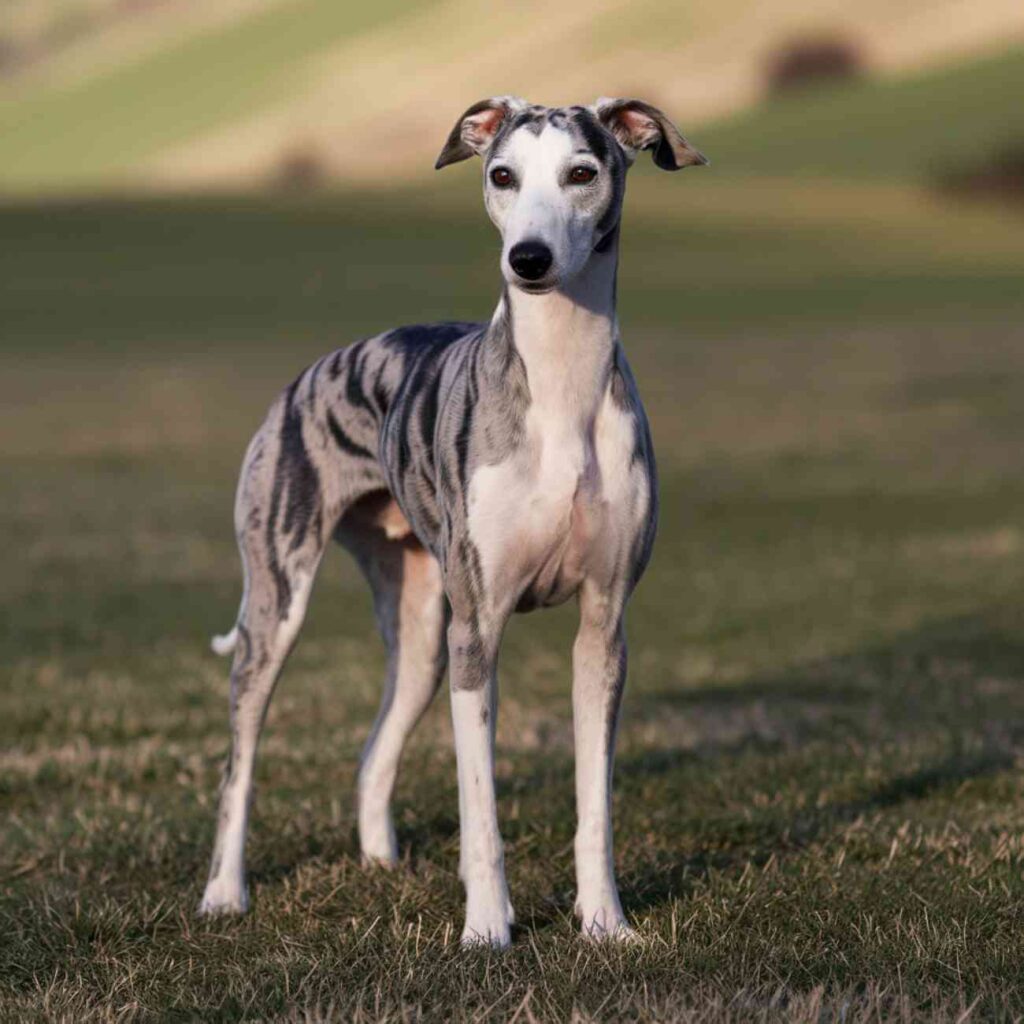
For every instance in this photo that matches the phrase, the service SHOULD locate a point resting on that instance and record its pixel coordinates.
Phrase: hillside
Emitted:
(179, 98)
(883, 129)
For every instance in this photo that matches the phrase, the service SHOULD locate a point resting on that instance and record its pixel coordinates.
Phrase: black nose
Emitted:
(530, 260)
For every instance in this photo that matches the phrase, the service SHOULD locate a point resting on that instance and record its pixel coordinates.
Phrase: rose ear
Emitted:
(638, 125)
(475, 130)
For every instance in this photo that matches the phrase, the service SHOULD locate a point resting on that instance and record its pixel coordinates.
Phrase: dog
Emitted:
(473, 471)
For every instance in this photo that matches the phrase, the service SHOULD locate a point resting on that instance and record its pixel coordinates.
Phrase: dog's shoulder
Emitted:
(417, 340)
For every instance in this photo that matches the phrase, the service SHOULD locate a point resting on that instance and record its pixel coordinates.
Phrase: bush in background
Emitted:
(812, 61)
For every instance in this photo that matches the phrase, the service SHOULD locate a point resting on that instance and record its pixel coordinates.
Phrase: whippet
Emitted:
(473, 470)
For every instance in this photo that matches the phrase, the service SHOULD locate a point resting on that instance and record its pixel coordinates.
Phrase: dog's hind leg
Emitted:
(282, 524)
(410, 606)
(262, 647)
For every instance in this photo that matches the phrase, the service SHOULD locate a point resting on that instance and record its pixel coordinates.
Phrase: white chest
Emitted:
(555, 511)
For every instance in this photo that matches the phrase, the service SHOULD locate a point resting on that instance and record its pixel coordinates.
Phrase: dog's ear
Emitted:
(638, 125)
(475, 130)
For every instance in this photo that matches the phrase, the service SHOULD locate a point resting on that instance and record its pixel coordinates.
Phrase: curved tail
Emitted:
(224, 645)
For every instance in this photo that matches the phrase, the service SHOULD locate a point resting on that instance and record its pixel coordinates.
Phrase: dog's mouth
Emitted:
(535, 287)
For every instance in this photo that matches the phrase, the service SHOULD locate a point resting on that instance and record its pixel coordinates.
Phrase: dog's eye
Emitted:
(582, 175)
(501, 177)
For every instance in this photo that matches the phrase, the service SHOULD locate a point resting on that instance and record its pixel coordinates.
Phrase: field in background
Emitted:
(819, 797)
(190, 95)
(876, 130)
(819, 801)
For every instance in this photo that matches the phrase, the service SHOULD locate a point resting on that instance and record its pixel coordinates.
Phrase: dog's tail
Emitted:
(224, 645)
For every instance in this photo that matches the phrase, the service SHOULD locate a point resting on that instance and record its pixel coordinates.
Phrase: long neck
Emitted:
(566, 339)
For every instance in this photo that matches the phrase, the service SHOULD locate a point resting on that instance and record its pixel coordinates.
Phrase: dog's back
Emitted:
(317, 452)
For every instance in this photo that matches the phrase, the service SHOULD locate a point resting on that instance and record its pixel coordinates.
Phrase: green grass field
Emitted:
(819, 800)
(80, 133)
(889, 130)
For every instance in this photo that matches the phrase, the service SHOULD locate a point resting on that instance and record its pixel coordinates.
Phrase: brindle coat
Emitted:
(473, 470)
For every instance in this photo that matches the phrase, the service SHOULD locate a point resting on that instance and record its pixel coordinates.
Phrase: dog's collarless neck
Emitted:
(565, 339)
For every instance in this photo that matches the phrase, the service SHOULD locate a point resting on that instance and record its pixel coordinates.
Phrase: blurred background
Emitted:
(197, 199)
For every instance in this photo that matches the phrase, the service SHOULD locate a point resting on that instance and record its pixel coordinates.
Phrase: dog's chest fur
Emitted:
(559, 508)
(523, 464)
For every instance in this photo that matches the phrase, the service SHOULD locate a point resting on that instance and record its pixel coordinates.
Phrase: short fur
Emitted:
(473, 470)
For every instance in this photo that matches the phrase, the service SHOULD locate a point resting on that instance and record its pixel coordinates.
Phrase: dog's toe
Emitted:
(495, 934)
(607, 925)
(220, 900)
(474, 940)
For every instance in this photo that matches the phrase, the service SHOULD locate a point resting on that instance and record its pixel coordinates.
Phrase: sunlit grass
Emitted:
(89, 131)
(883, 130)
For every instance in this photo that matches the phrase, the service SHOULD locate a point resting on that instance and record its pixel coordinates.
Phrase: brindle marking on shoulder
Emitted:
(343, 441)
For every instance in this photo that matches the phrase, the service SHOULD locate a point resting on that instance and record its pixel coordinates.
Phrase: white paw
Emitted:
(386, 860)
(489, 919)
(620, 933)
(377, 841)
(495, 934)
(223, 898)
(607, 924)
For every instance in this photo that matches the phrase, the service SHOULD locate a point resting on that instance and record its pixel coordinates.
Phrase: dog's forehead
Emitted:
(560, 129)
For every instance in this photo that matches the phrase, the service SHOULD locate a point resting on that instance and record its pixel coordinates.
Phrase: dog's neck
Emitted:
(566, 339)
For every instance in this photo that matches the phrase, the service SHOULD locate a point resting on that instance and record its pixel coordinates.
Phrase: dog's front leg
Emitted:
(472, 655)
(599, 675)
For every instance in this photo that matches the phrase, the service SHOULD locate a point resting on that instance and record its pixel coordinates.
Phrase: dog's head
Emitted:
(554, 177)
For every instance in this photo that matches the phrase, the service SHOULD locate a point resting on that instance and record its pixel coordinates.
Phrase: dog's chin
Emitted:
(535, 287)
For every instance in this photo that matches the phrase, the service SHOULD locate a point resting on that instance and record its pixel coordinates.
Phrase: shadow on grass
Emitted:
(955, 687)
(954, 674)
(662, 880)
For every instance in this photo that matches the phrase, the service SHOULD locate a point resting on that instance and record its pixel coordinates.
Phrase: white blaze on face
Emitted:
(544, 206)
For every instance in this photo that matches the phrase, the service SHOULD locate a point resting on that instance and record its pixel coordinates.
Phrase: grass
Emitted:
(733, 254)
(819, 791)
